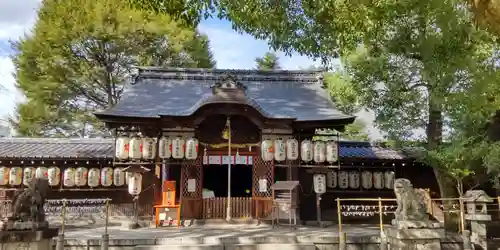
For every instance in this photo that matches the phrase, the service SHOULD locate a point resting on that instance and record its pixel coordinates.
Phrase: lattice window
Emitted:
(192, 170)
(262, 169)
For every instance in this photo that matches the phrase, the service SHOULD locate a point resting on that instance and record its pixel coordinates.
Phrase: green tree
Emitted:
(346, 99)
(269, 61)
(77, 60)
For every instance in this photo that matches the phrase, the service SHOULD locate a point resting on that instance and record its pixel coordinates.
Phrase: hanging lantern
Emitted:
(319, 152)
(279, 150)
(4, 176)
(178, 147)
(69, 177)
(28, 175)
(267, 150)
(354, 179)
(122, 147)
(331, 179)
(135, 184)
(165, 148)
(331, 152)
(148, 148)
(54, 176)
(389, 179)
(106, 177)
(15, 176)
(128, 175)
(343, 179)
(81, 174)
(367, 180)
(118, 177)
(94, 176)
(42, 173)
(191, 149)
(378, 180)
(135, 148)
(306, 151)
(292, 149)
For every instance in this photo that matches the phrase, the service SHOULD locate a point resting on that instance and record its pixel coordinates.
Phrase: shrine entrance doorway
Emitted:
(215, 182)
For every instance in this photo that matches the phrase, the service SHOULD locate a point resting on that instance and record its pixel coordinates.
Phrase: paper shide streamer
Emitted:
(364, 210)
(75, 207)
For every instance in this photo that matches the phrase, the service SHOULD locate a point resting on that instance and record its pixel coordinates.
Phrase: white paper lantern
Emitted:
(279, 150)
(4, 176)
(122, 147)
(191, 149)
(15, 176)
(178, 148)
(135, 148)
(367, 179)
(81, 174)
(319, 152)
(343, 179)
(267, 150)
(331, 179)
(42, 173)
(28, 175)
(118, 177)
(148, 148)
(128, 175)
(54, 176)
(332, 153)
(106, 177)
(354, 179)
(165, 148)
(94, 176)
(292, 149)
(306, 151)
(135, 184)
(378, 180)
(69, 177)
(389, 179)
(319, 181)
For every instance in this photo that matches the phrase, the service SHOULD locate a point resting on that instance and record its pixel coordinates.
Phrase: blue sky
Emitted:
(231, 50)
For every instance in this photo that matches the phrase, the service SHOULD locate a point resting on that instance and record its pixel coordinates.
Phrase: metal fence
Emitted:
(84, 213)
(384, 208)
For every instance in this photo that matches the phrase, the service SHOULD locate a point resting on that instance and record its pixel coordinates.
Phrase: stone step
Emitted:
(179, 247)
(290, 246)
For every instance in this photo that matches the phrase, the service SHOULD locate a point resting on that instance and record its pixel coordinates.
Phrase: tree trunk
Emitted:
(434, 139)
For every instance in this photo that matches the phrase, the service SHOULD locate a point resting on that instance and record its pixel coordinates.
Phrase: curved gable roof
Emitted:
(180, 92)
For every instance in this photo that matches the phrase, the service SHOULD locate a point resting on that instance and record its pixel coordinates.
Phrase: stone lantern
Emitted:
(476, 202)
(477, 213)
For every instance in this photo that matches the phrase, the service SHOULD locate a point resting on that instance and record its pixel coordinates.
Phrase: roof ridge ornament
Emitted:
(228, 82)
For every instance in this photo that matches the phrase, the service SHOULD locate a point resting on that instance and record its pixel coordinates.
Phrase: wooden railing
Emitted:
(215, 208)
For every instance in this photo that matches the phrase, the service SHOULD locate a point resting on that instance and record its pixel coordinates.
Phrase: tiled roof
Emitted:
(179, 92)
(55, 148)
(102, 148)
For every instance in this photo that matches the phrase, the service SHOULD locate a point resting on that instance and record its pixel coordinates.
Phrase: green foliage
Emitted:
(269, 61)
(77, 60)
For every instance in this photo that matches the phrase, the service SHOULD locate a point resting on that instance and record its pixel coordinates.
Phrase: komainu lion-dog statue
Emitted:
(412, 206)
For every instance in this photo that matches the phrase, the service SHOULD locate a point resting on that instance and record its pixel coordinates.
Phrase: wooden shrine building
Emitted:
(189, 125)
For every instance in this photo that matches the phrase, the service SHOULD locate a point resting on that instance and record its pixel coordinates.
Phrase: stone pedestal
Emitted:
(415, 238)
(27, 239)
(478, 229)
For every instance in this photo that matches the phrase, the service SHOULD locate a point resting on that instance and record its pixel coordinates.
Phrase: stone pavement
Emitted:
(222, 231)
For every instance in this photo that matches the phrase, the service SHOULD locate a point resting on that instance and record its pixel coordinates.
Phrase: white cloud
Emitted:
(16, 17)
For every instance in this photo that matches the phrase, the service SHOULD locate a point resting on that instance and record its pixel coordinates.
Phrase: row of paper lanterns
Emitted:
(318, 151)
(72, 177)
(137, 148)
(367, 180)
